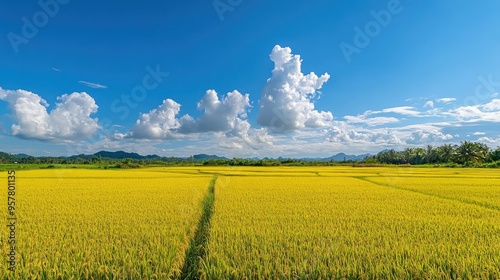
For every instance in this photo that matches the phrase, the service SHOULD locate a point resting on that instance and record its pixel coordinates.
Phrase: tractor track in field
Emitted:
(197, 248)
(461, 200)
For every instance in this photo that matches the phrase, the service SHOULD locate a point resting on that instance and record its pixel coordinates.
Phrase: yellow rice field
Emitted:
(346, 227)
(261, 223)
(104, 224)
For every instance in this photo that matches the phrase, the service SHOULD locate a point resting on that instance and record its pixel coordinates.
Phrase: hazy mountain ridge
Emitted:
(117, 155)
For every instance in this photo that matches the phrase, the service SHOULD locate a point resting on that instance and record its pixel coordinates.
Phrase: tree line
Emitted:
(473, 154)
(467, 153)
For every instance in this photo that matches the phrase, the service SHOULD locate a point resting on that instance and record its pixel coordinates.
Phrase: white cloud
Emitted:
(218, 116)
(429, 104)
(93, 85)
(225, 118)
(158, 123)
(490, 140)
(286, 103)
(424, 137)
(375, 121)
(243, 137)
(222, 115)
(493, 105)
(489, 112)
(346, 134)
(478, 133)
(467, 112)
(446, 100)
(354, 136)
(402, 110)
(69, 120)
(415, 99)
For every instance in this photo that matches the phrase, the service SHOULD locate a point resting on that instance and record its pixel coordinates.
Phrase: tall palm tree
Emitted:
(472, 152)
(419, 155)
(445, 153)
(430, 154)
(408, 155)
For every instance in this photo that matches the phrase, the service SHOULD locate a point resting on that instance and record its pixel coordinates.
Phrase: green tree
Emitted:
(431, 155)
(445, 153)
(408, 155)
(495, 155)
(472, 152)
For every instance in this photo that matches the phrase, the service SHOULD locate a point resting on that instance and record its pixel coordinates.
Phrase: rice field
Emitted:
(92, 224)
(259, 223)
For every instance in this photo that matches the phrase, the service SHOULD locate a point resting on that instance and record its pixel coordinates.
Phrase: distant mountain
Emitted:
(21, 156)
(122, 155)
(339, 157)
(202, 157)
(342, 157)
(199, 157)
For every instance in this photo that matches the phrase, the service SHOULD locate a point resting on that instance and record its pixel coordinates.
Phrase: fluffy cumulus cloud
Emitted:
(158, 123)
(225, 117)
(287, 104)
(222, 115)
(69, 120)
(426, 137)
(218, 116)
(287, 100)
(348, 134)
(243, 136)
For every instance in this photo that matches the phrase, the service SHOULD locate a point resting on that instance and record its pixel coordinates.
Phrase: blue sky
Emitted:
(247, 78)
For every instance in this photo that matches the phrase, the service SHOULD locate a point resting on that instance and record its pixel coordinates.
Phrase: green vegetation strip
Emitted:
(197, 248)
(462, 200)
